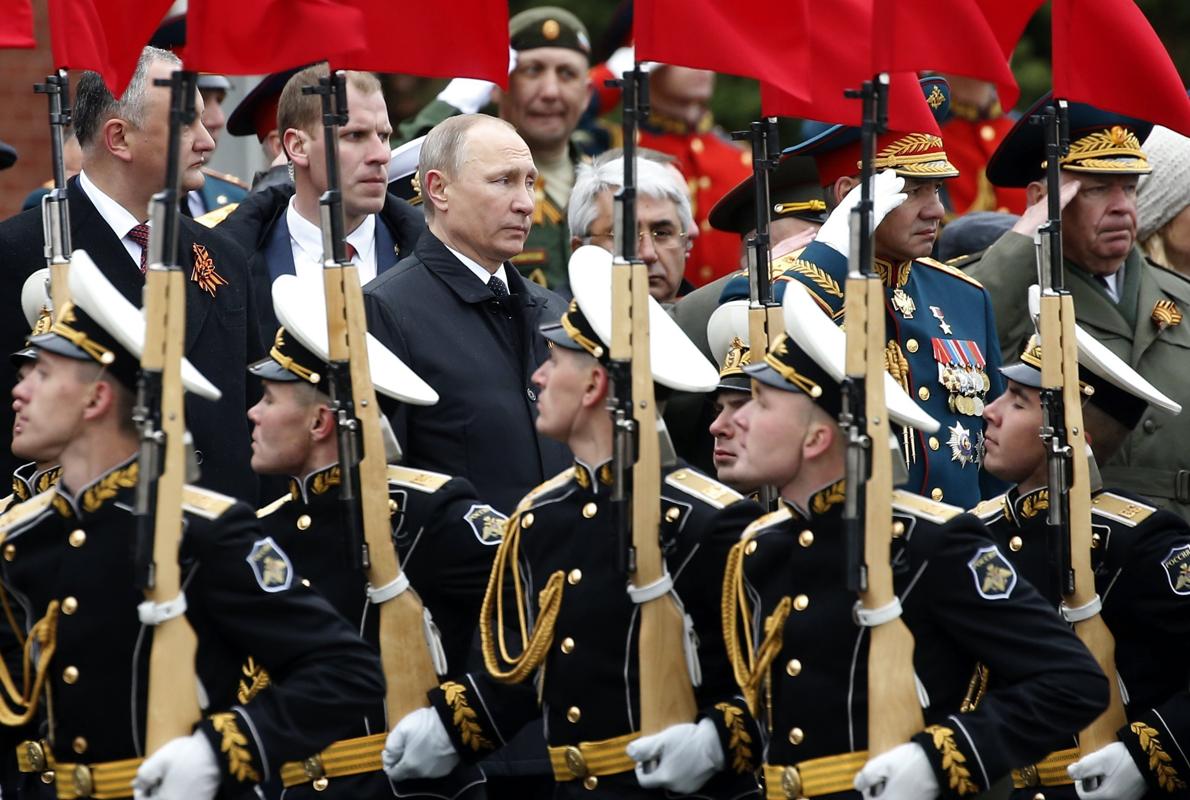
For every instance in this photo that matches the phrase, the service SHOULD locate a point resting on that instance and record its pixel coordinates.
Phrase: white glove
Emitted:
(418, 747)
(182, 769)
(469, 95)
(903, 773)
(1115, 771)
(681, 758)
(835, 233)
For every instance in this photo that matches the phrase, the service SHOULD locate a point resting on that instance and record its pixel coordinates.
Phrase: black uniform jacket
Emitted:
(589, 678)
(1001, 679)
(220, 341)
(1141, 558)
(445, 537)
(479, 354)
(258, 225)
(67, 558)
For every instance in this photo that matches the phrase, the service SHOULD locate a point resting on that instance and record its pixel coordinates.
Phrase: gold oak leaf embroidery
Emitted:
(464, 717)
(818, 277)
(738, 739)
(831, 496)
(258, 680)
(953, 760)
(204, 273)
(1159, 761)
(109, 486)
(235, 745)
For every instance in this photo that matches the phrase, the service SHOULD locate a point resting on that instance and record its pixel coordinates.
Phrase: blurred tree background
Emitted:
(737, 100)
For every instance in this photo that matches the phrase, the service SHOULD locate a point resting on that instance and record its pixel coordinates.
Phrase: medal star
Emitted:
(962, 449)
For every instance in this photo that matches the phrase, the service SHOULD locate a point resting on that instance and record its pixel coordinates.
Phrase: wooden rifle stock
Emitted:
(55, 212)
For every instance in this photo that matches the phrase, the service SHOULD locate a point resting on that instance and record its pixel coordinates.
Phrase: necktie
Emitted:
(140, 235)
(497, 286)
(350, 250)
(1108, 287)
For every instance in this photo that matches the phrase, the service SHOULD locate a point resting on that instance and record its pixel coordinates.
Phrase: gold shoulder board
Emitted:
(215, 216)
(706, 489)
(205, 503)
(24, 512)
(273, 506)
(762, 522)
(990, 509)
(226, 176)
(1124, 510)
(421, 479)
(530, 499)
(924, 507)
(949, 270)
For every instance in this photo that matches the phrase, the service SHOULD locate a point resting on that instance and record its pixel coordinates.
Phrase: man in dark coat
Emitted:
(124, 145)
(280, 225)
(467, 323)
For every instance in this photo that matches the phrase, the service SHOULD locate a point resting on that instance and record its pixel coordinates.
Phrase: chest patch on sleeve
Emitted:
(270, 565)
(486, 523)
(994, 576)
(1177, 569)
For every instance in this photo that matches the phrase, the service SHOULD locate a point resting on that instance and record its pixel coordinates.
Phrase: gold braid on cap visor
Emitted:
(789, 373)
(1115, 149)
(288, 363)
(78, 338)
(581, 339)
(794, 208)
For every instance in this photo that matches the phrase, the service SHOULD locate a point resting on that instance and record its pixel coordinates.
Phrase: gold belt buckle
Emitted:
(315, 771)
(84, 784)
(791, 783)
(1029, 775)
(36, 755)
(576, 762)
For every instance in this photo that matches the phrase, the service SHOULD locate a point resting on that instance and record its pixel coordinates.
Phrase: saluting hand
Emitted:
(887, 194)
(1037, 214)
(418, 747)
(182, 769)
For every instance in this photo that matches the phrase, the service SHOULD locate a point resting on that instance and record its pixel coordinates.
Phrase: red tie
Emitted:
(140, 235)
(350, 250)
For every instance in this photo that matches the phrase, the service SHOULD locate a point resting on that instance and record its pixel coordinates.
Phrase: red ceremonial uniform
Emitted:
(971, 137)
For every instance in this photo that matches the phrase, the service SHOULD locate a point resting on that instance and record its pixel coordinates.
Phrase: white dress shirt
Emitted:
(306, 240)
(114, 214)
(479, 271)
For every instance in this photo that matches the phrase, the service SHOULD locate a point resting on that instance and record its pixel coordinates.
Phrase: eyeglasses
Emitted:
(663, 239)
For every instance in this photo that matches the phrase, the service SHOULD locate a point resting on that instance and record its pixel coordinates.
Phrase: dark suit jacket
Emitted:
(258, 224)
(442, 321)
(219, 340)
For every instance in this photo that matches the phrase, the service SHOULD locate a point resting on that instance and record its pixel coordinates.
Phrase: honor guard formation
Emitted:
(550, 441)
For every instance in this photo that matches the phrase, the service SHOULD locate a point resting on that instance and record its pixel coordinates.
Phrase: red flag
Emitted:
(1008, 20)
(907, 109)
(954, 36)
(1107, 54)
(762, 39)
(17, 28)
(104, 35)
(238, 37)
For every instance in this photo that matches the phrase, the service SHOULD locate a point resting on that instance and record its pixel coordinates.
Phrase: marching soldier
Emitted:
(556, 570)
(67, 569)
(445, 536)
(1141, 558)
(942, 346)
(998, 674)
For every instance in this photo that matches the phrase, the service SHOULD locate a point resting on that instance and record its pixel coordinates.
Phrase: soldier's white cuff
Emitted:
(433, 642)
(151, 613)
(651, 591)
(871, 617)
(1084, 612)
(382, 594)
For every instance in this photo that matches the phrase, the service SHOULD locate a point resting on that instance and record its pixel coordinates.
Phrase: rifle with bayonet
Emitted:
(894, 712)
(1069, 513)
(404, 652)
(55, 212)
(666, 693)
(765, 322)
(160, 417)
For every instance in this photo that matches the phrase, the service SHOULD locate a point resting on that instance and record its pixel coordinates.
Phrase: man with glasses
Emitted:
(662, 220)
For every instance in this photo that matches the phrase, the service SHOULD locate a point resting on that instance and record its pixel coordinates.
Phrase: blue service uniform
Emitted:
(942, 348)
(219, 190)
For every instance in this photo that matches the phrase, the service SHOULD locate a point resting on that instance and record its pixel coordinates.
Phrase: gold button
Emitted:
(48, 776)
(574, 577)
(568, 645)
(1015, 543)
(673, 514)
(70, 675)
(79, 744)
(392, 507)
(987, 132)
(574, 714)
(934, 444)
(936, 493)
(924, 393)
(697, 145)
(10, 552)
(750, 547)
(911, 345)
(898, 530)
(303, 522)
(590, 510)
(306, 582)
(77, 537)
(1039, 796)
(590, 782)
(793, 668)
(796, 736)
(321, 784)
(805, 538)
(800, 602)
(1095, 540)
(527, 520)
(70, 605)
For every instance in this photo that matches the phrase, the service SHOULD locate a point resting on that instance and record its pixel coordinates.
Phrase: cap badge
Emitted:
(936, 98)
(550, 29)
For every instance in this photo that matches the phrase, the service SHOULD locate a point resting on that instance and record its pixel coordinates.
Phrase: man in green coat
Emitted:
(1127, 302)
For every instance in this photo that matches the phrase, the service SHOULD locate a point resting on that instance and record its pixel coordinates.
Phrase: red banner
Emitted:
(16, 30)
(907, 109)
(104, 35)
